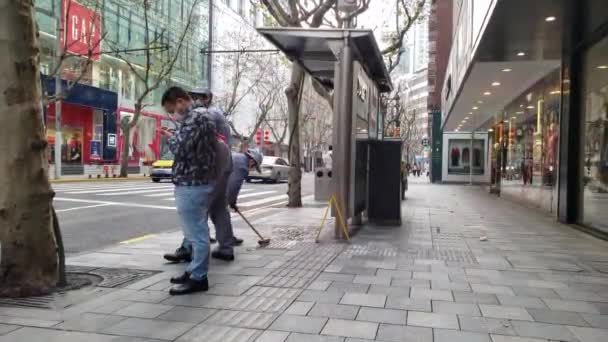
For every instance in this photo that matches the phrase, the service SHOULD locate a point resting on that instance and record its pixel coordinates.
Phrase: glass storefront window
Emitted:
(525, 144)
(595, 155)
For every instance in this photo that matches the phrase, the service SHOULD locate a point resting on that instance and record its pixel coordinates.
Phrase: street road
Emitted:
(93, 215)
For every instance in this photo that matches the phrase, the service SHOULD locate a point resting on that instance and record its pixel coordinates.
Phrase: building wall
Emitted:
(440, 43)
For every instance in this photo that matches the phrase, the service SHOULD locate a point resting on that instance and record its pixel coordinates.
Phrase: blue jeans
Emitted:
(193, 209)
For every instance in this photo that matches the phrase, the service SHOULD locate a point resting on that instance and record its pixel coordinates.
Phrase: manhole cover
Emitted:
(120, 277)
(294, 233)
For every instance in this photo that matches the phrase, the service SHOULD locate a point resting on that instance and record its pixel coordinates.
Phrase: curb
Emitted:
(81, 180)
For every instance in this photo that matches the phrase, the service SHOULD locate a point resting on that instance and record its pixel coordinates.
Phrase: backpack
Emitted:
(205, 142)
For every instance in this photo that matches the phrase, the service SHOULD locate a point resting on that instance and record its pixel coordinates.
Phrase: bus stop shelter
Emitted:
(349, 62)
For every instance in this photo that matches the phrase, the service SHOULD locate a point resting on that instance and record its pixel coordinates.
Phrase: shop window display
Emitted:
(526, 144)
(460, 157)
(595, 155)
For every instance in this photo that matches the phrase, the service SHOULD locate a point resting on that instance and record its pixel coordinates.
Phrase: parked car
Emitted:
(274, 169)
(162, 168)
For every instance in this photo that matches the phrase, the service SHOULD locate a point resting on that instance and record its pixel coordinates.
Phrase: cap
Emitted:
(201, 91)
(257, 157)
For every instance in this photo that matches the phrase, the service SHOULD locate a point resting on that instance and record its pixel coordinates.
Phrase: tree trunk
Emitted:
(293, 93)
(28, 261)
(124, 156)
(62, 280)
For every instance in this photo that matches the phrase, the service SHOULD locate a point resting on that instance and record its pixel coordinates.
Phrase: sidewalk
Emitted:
(432, 280)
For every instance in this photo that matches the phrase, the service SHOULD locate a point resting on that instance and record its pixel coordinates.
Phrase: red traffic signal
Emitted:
(267, 137)
(258, 137)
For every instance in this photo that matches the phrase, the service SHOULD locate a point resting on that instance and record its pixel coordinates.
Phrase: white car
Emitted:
(274, 169)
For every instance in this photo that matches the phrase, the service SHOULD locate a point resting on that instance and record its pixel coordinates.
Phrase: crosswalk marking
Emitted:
(256, 194)
(124, 193)
(116, 189)
(161, 194)
(263, 201)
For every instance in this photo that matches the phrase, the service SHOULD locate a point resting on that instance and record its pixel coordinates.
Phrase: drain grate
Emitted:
(100, 280)
(120, 277)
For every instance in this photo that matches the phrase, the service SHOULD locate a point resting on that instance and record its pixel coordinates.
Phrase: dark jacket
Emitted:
(194, 146)
(240, 171)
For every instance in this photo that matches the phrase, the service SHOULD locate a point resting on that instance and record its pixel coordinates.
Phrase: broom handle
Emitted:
(249, 223)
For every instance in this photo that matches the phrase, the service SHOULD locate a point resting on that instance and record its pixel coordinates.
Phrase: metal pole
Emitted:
(344, 132)
(471, 158)
(210, 44)
(58, 91)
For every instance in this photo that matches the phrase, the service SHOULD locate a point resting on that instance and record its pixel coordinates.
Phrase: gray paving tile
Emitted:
(394, 274)
(493, 289)
(467, 309)
(241, 319)
(486, 325)
(321, 285)
(331, 297)
(404, 303)
(90, 322)
(411, 283)
(589, 334)
(361, 299)
(505, 312)
(590, 296)
(356, 329)
(357, 270)
(543, 330)
(348, 287)
(596, 321)
(557, 317)
(299, 308)
(30, 322)
(334, 311)
(421, 293)
(347, 278)
(215, 333)
(432, 320)
(448, 285)
(372, 280)
(431, 276)
(6, 328)
(535, 292)
(382, 315)
(571, 305)
(387, 264)
(149, 296)
(297, 337)
(272, 336)
(47, 335)
(150, 328)
(301, 324)
(447, 335)
(110, 307)
(479, 298)
(503, 338)
(144, 310)
(389, 290)
(524, 302)
(401, 333)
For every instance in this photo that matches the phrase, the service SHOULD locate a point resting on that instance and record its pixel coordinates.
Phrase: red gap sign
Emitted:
(82, 30)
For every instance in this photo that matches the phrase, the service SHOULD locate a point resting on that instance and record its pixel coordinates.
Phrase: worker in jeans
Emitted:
(194, 145)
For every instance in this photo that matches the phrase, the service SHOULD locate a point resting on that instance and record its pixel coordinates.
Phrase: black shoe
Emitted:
(190, 286)
(237, 241)
(181, 255)
(212, 240)
(182, 279)
(222, 256)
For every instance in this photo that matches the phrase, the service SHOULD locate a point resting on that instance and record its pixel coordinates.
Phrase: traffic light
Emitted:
(267, 137)
(258, 137)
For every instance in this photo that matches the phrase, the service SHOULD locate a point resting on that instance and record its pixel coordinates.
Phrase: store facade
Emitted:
(115, 24)
(539, 91)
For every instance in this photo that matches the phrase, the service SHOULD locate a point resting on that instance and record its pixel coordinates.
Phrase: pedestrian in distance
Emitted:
(194, 145)
(404, 175)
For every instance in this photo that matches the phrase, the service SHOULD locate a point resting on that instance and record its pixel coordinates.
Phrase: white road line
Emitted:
(85, 207)
(120, 204)
(95, 186)
(114, 190)
(256, 194)
(162, 194)
(263, 201)
(124, 193)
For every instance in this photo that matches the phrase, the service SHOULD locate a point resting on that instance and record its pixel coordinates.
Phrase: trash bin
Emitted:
(322, 184)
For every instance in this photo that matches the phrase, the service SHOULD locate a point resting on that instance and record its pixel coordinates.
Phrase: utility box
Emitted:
(322, 184)
(384, 203)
